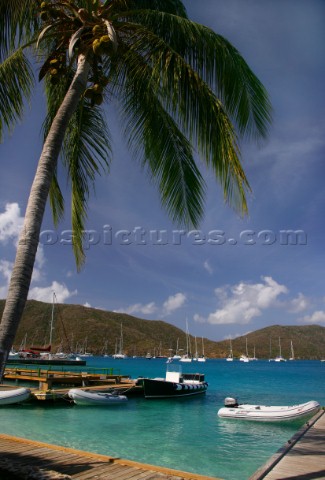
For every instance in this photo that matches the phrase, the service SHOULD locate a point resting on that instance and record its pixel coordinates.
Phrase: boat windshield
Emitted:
(172, 367)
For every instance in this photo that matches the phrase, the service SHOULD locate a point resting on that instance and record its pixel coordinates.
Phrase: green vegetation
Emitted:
(74, 325)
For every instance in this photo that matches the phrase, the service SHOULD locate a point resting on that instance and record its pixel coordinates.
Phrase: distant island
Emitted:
(78, 328)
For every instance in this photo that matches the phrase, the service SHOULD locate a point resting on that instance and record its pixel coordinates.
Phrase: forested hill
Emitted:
(76, 327)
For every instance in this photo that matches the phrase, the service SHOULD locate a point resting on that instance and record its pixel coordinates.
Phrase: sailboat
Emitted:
(119, 355)
(279, 358)
(187, 357)
(244, 358)
(202, 358)
(84, 353)
(254, 357)
(230, 357)
(177, 355)
(41, 352)
(195, 358)
(292, 354)
(270, 355)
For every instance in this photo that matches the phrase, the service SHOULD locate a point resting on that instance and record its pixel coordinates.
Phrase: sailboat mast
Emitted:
(121, 340)
(52, 320)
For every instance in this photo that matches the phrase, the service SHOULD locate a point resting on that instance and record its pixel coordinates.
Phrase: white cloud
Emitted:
(170, 305)
(10, 226)
(242, 302)
(299, 304)
(139, 308)
(45, 294)
(174, 302)
(5, 269)
(10, 223)
(208, 267)
(315, 318)
(198, 318)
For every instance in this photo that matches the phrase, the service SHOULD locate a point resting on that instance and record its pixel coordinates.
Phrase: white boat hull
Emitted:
(16, 395)
(82, 397)
(270, 413)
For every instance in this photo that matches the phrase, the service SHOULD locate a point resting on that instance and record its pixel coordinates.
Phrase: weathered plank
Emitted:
(301, 457)
(52, 461)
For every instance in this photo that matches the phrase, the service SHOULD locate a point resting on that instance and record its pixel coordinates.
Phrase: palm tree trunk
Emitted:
(29, 237)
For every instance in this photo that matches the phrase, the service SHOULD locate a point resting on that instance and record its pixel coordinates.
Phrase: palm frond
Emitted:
(55, 95)
(16, 82)
(18, 19)
(87, 151)
(213, 58)
(156, 139)
(174, 7)
(74, 39)
(111, 33)
(197, 111)
(207, 123)
(56, 200)
(44, 31)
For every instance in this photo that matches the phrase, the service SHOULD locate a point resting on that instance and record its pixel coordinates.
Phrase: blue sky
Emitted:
(233, 275)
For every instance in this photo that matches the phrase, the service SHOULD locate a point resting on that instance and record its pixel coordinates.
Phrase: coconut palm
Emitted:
(184, 92)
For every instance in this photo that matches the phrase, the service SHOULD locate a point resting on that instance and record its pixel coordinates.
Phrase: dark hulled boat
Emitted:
(175, 384)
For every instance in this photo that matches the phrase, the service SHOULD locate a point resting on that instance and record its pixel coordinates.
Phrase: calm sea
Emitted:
(184, 434)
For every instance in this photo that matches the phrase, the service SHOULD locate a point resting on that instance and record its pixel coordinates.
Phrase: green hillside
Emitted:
(76, 326)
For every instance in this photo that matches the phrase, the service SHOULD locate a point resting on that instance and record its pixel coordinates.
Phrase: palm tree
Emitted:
(182, 89)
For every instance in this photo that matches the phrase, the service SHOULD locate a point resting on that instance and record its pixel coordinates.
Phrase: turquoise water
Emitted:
(184, 434)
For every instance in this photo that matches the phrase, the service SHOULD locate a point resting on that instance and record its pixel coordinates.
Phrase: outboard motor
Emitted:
(231, 402)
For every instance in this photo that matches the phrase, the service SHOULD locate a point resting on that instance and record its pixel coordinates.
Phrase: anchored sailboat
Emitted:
(119, 355)
(188, 356)
(230, 357)
(292, 354)
(202, 358)
(245, 358)
(279, 358)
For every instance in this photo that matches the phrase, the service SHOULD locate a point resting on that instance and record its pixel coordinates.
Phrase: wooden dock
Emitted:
(302, 457)
(55, 384)
(26, 459)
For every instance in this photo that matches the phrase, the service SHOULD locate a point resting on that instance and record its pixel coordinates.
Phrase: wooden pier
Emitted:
(302, 457)
(55, 384)
(26, 459)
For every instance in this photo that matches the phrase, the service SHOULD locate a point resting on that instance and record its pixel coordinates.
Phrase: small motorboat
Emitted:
(267, 413)
(86, 397)
(14, 395)
(175, 384)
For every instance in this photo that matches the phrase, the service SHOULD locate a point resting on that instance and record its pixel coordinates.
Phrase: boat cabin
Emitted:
(174, 374)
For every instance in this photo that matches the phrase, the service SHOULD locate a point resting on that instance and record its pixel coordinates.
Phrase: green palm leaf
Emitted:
(87, 150)
(201, 116)
(213, 58)
(18, 19)
(155, 138)
(16, 82)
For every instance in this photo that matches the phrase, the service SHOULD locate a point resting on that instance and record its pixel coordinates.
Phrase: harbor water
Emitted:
(186, 433)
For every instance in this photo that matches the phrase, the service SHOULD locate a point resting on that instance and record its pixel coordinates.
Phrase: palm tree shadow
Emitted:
(20, 466)
(307, 476)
